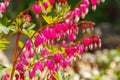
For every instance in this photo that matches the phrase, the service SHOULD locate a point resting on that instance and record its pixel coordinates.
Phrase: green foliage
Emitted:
(61, 11)
(49, 19)
(2, 67)
(58, 12)
(4, 29)
(60, 76)
(21, 44)
(3, 43)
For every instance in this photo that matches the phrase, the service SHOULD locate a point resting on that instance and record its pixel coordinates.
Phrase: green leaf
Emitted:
(61, 11)
(3, 43)
(4, 20)
(29, 33)
(4, 29)
(2, 66)
(30, 26)
(49, 19)
(60, 75)
(21, 44)
(3, 46)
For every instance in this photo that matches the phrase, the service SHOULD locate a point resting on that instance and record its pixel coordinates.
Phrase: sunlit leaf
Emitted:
(21, 44)
(49, 19)
(3, 43)
(4, 29)
(30, 26)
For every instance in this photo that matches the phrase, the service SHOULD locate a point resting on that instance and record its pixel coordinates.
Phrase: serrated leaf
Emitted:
(4, 29)
(49, 19)
(20, 44)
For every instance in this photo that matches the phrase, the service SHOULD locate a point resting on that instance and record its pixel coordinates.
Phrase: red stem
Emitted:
(15, 55)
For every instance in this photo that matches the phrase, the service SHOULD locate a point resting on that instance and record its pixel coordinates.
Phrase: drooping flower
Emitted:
(71, 37)
(45, 5)
(38, 66)
(58, 57)
(36, 8)
(94, 3)
(6, 76)
(50, 64)
(49, 33)
(83, 10)
(64, 63)
(86, 41)
(69, 52)
(45, 52)
(2, 7)
(32, 74)
(28, 45)
(39, 40)
(51, 2)
(31, 53)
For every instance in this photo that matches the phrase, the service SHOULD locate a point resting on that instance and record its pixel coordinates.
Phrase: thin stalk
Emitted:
(15, 55)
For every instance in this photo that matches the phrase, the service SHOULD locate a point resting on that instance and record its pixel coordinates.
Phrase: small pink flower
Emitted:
(69, 52)
(71, 37)
(31, 53)
(81, 48)
(17, 77)
(6, 77)
(2, 7)
(86, 2)
(64, 27)
(64, 44)
(83, 8)
(57, 28)
(20, 67)
(50, 64)
(49, 33)
(45, 5)
(64, 63)
(51, 2)
(39, 40)
(45, 52)
(32, 73)
(28, 45)
(95, 39)
(86, 41)
(58, 57)
(36, 8)
(7, 2)
(94, 3)
(38, 66)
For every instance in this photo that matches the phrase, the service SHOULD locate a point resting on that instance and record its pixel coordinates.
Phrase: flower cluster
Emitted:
(57, 45)
(3, 6)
